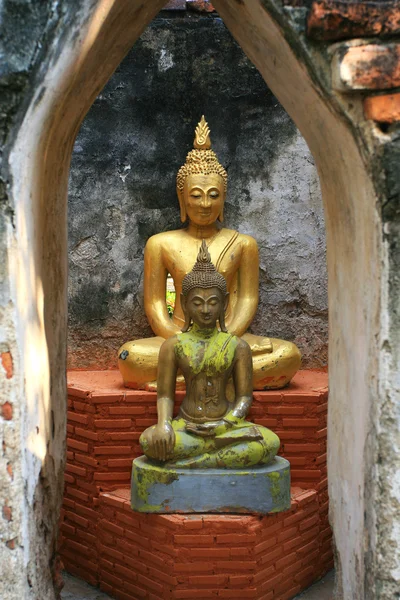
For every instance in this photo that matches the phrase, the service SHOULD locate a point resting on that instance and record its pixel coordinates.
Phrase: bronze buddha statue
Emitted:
(210, 432)
(201, 188)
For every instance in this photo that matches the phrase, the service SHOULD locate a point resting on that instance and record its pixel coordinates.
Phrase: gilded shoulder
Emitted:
(247, 241)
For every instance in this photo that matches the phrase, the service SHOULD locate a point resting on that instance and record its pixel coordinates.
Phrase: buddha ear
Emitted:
(182, 205)
(186, 314)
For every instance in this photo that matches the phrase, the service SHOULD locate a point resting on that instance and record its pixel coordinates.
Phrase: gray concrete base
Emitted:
(263, 489)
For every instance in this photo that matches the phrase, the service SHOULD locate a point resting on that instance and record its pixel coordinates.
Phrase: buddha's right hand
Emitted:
(161, 441)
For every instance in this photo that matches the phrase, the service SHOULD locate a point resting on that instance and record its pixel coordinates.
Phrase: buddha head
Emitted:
(204, 295)
(201, 182)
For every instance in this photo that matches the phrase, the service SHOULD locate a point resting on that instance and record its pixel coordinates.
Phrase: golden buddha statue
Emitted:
(201, 188)
(209, 431)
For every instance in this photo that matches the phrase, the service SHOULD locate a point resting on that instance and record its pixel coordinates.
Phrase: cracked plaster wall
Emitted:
(122, 188)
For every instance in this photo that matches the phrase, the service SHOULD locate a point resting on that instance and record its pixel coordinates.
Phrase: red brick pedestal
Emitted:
(179, 556)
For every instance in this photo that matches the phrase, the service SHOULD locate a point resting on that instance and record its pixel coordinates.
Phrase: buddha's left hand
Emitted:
(207, 429)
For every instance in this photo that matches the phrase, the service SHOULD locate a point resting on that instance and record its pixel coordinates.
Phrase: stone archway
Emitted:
(92, 44)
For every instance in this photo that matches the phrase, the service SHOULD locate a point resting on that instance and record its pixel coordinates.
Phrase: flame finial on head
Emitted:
(202, 135)
(203, 274)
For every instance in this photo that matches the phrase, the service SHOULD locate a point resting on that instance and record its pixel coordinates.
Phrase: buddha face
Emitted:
(204, 306)
(202, 199)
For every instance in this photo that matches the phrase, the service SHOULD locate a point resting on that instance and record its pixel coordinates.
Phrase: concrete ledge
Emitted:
(260, 490)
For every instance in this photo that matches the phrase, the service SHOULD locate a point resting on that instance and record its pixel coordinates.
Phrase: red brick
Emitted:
(153, 559)
(113, 423)
(242, 593)
(7, 411)
(123, 435)
(125, 573)
(112, 450)
(87, 460)
(68, 502)
(67, 529)
(86, 433)
(322, 433)
(267, 397)
(138, 592)
(80, 548)
(289, 594)
(233, 538)
(195, 540)
(306, 497)
(7, 363)
(163, 576)
(127, 410)
(328, 20)
(235, 565)
(146, 422)
(290, 435)
(70, 455)
(270, 584)
(303, 448)
(300, 422)
(77, 519)
(366, 66)
(111, 579)
(265, 545)
(77, 493)
(285, 410)
(100, 398)
(87, 537)
(297, 398)
(241, 580)
(68, 478)
(115, 554)
(271, 557)
(122, 476)
(83, 407)
(243, 552)
(304, 574)
(130, 520)
(74, 469)
(322, 484)
(285, 561)
(78, 418)
(264, 574)
(208, 553)
(309, 522)
(83, 446)
(119, 462)
(150, 584)
(308, 548)
(287, 533)
(111, 527)
(196, 523)
(201, 594)
(193, 567)
(208, 580)
(138, 538)
(70, 428)
(322, 408)
(305, 474)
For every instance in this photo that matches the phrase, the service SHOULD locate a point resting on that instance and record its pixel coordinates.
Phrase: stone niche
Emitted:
(122, 191)
(122, 187)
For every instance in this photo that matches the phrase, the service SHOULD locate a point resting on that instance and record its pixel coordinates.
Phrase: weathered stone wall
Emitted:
(122, 187)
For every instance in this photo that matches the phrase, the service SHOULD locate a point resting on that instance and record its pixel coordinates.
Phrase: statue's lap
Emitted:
(243, 445)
